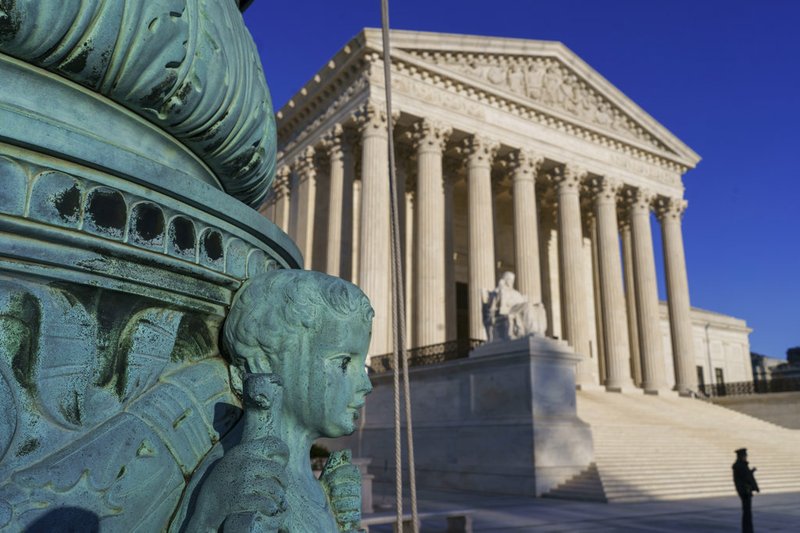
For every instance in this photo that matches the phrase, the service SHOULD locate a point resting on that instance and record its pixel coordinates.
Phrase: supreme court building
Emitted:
(512, 155)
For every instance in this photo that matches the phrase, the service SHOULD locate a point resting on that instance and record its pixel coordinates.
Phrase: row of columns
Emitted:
(628, 325)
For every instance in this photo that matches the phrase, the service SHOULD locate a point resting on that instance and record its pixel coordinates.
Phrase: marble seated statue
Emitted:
(508, 314)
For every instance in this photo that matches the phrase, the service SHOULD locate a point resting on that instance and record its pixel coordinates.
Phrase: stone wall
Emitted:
(501, 422)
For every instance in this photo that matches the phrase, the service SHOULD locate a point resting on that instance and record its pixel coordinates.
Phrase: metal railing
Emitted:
(428, 355)
(741, 388)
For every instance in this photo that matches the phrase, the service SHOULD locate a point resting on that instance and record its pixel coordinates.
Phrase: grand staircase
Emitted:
(666, 447)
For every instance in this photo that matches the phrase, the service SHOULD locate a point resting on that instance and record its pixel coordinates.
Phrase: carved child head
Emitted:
(313, 331)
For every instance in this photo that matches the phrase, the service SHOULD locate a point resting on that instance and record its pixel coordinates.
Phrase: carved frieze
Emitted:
(95, 209)
(436, 96)
(297, 128)
(652, 171)
(546, 81)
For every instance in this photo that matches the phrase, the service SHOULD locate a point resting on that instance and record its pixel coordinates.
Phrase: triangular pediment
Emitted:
(546, 76)
(547, 82)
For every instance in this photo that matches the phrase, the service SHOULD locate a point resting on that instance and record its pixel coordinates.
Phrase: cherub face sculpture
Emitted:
(312, 331)
(330, 377)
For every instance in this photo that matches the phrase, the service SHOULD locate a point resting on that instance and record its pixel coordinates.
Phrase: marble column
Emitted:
(405, 187)
(669, 211)
(282, 202)
(524, 166)
(306, 201)
(548, 250)
(335, 150)
(593, 279)
(451, 308)
(356, 231)
(374, 270)
(571, 264)
(613, 315)
(644, 274)
(630, 296)
(480, 153)
(349, 204)
(409, 261)
(429, 294)
(294, 204)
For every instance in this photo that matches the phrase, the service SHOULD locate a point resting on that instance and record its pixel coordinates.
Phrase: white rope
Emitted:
(398, 309)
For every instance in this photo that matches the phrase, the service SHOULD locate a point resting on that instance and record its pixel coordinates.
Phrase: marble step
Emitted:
(654, 448)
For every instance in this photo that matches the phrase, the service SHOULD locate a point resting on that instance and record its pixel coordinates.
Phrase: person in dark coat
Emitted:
(745, 485)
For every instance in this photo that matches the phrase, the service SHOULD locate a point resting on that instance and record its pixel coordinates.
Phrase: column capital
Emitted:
(430, 135)
(639, 199)
(670, 208)
(371, 118)
(282, 180)
(333, 142)
(524, 164)
(479, 150)
(306, 163)
(569, 178)
(604, 189)
(282, 173)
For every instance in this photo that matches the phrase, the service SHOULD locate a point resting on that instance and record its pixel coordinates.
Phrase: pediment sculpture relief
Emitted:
(546, 81)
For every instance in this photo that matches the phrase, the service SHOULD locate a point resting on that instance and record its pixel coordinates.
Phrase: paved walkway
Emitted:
(771, 512)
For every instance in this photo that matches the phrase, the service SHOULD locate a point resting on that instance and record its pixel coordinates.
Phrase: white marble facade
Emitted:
(511, 155)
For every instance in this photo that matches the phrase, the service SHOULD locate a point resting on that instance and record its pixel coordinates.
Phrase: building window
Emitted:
(701, 378)
(719, 379)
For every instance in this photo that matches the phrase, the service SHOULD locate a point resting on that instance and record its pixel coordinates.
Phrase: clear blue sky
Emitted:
(722, 75)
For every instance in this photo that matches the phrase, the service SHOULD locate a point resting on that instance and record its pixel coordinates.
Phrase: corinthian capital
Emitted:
(569, 179)
(306, 165)
(524, 164)
(639, 199)
(670, 208)
(479, 150)
(282, 181)
(604, 189)
(333, 140)
(430, 135)
(371, 118)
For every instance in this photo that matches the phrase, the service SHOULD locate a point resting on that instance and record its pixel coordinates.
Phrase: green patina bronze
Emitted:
(299, 339)
(132, 134)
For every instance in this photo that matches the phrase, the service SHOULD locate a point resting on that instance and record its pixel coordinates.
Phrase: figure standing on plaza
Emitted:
(745, 485)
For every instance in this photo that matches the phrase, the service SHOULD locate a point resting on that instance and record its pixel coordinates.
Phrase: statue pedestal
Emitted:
(561, 441)
(501, 421)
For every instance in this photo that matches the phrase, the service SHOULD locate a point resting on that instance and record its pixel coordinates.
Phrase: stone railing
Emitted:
(428, 355)
(789, 384)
